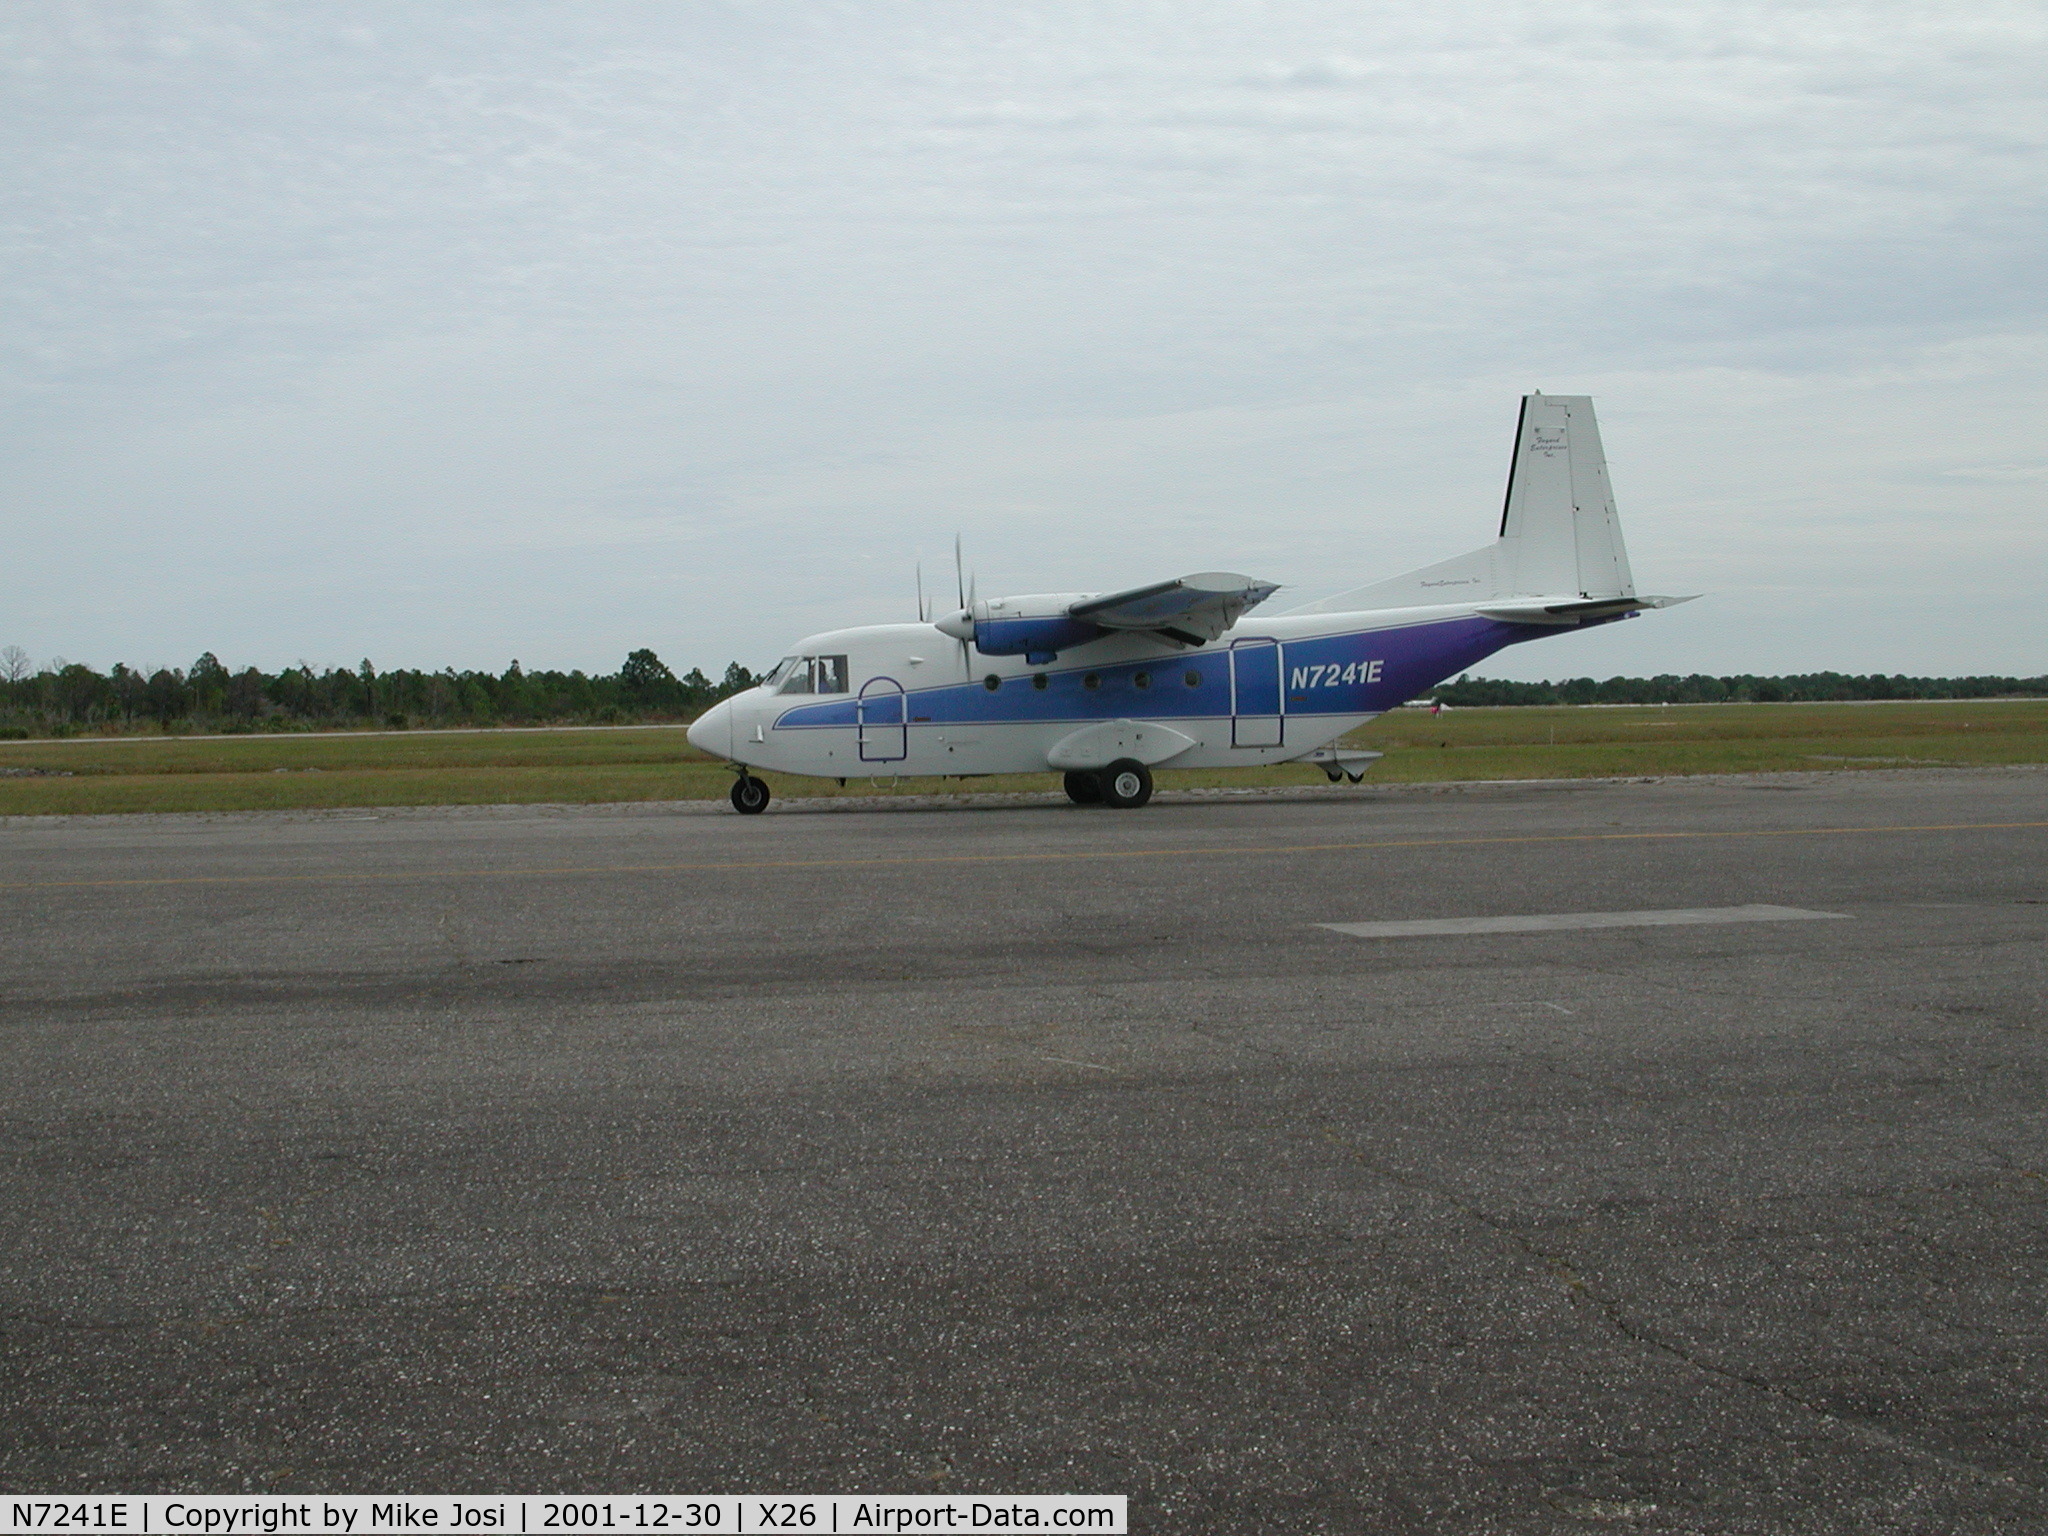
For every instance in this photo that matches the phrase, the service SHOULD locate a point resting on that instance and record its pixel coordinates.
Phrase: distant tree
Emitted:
(15, 664)
(644, 673)
(81, 694)
(737, 680)
(244, 695)
(130, 690)
(166, 697)
(208, 680)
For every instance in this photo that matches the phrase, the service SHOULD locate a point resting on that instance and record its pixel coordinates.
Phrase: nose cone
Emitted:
(712, 731)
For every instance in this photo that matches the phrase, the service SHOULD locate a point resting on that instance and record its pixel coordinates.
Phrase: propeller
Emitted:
(963, 588)
(923, 613)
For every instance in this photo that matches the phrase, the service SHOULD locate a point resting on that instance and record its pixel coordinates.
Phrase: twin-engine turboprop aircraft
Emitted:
(1106, 687)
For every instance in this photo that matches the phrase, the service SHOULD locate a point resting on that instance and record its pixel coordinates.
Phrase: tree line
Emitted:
(65, 697)
(62, 698)
(1668, 688)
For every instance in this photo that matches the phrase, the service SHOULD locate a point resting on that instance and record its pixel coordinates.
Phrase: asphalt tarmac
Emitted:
(1036, 1148)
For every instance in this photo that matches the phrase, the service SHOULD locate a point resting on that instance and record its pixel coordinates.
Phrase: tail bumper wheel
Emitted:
(1126, 784)
(749, 795)
(1084, 788)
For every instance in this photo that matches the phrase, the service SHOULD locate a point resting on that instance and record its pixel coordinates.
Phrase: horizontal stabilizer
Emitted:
(1579, 611)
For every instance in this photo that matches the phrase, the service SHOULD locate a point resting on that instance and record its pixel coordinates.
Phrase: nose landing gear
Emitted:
(749, 794)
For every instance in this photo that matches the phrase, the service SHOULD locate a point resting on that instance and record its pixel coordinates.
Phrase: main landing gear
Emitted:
(749, 795)
(1125, 785)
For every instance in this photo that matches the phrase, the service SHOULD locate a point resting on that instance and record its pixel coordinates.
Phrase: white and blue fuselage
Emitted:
(1187, 673)
(915, 701)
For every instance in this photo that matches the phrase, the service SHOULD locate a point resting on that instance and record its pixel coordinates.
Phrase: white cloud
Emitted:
(462, 332)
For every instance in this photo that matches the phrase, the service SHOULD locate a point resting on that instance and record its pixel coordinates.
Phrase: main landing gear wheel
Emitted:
(1084, 788)
(749, 795)
(1126, 784)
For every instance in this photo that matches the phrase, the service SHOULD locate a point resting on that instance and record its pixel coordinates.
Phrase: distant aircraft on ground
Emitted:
(1106, 687)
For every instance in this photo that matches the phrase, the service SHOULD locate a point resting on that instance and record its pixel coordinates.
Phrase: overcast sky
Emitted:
(449, 333)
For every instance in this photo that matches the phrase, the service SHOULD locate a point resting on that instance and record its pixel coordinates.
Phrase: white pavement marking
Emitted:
(1552, 922)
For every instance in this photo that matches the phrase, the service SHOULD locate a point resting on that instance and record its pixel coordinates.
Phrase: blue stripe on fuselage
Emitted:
(1362, 673)
(1373, 671)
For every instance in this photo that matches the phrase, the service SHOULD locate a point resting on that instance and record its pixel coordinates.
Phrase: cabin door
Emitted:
(1255, 694)
(884, 737)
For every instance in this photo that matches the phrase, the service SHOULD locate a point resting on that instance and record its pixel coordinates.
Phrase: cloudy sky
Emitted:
(450, 333)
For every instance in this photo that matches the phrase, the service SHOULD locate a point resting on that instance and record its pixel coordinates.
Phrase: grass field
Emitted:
(510, 767)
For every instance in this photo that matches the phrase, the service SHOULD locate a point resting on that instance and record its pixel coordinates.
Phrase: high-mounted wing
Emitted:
(1192, 609)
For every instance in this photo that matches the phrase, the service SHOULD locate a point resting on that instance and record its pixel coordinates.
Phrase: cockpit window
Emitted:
(808, 674)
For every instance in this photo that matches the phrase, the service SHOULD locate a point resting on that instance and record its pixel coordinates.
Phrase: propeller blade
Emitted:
(921, 614)
(959, 581)
(966, 661)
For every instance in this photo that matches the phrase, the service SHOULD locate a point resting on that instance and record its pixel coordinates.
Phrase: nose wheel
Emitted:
(749, 795)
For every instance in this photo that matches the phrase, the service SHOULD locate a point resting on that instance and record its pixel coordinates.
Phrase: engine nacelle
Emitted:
(1037, 627)
(1033, 638)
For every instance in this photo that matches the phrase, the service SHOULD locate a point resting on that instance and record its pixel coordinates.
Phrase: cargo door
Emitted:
(1255, 694)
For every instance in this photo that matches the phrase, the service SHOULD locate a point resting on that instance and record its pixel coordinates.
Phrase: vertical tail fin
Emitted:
(1558, 530)
(1559, 534)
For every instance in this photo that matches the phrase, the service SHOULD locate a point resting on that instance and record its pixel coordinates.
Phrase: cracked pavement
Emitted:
(1033, 1148)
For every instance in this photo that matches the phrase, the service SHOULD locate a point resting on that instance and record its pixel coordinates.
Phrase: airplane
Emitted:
(1105, 687)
